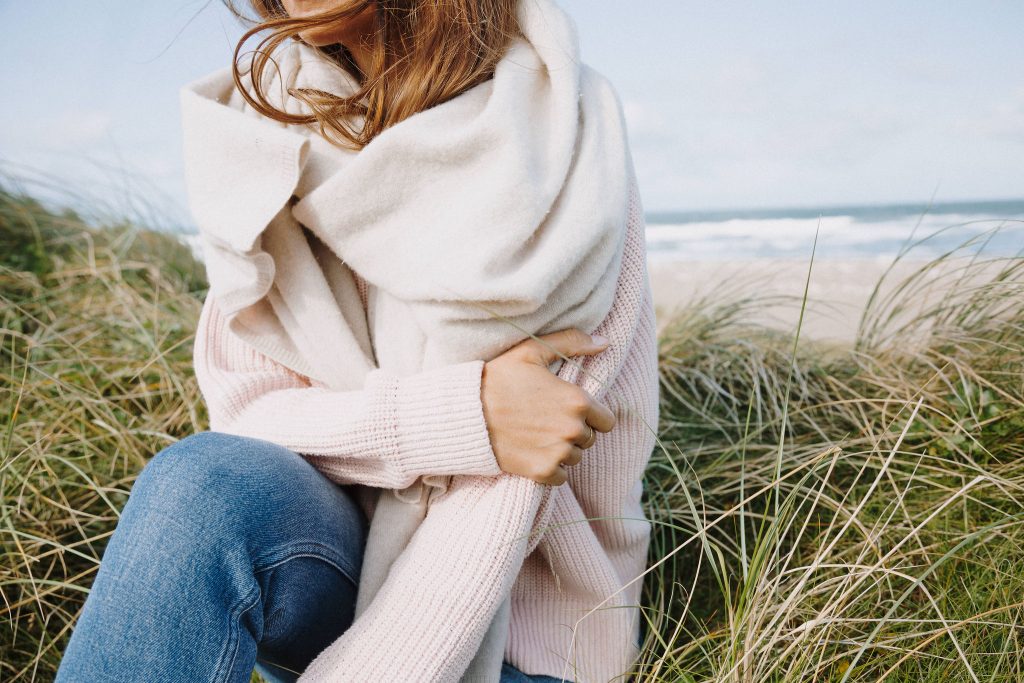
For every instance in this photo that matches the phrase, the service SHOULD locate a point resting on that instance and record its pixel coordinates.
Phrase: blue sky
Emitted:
(729, 104)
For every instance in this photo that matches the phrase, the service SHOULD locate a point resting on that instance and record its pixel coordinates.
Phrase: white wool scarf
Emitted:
(494, 215)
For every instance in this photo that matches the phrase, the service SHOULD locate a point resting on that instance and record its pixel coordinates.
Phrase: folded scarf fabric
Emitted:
(494, 215)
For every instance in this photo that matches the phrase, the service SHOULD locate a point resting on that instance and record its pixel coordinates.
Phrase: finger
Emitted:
(558, 478)
(584, 436)
(574, 457)
(600, 417)
(545, 349)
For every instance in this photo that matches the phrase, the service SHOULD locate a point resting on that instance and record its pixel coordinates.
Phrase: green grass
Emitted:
(820, 513)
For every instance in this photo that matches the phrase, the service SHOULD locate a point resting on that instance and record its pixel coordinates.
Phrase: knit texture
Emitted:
(574, 593)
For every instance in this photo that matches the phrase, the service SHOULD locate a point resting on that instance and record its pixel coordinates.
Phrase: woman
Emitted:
(412, 216)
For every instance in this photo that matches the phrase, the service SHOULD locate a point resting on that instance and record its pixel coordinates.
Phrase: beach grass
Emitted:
(820, 513)
(851, 514)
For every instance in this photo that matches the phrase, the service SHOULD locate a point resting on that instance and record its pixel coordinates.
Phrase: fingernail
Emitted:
(599, 340)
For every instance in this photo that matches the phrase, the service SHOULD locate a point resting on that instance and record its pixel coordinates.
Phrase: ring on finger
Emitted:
(590, 439)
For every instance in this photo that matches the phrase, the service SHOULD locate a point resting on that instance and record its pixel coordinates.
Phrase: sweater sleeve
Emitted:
(385, 435)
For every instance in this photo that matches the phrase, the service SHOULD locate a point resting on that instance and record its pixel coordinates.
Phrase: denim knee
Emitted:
(209, 459)
(208, 473)
(243, 492)
(214, 478)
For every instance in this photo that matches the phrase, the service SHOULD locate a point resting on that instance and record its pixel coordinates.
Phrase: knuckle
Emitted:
(525, 346)
(578, 336)
(578, 401)
(573, 431)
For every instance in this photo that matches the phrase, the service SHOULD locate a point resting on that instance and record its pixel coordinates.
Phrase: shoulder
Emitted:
(597, 84)
(594, 75)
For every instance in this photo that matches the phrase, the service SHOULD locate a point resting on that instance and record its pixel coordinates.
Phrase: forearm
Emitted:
(386, 434)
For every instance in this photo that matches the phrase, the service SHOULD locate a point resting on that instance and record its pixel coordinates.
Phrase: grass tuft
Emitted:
(895, 552)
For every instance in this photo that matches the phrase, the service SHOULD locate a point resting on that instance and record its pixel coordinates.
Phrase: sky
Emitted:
(729, 104)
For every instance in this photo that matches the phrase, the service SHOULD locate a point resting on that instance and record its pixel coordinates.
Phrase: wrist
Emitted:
(441, 424)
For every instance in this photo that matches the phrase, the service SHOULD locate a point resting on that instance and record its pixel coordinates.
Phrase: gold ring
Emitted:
(590, 439)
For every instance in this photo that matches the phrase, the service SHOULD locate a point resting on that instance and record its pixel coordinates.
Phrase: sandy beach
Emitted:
(837, 293)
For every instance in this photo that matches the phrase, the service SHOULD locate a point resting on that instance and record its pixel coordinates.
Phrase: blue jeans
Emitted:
(231, 553)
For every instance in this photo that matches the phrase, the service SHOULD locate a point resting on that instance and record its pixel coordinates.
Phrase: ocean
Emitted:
(876, 232)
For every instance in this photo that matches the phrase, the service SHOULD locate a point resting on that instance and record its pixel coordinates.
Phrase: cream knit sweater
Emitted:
(574, 599)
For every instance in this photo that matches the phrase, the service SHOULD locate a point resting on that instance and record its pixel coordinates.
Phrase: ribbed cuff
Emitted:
(441, 425)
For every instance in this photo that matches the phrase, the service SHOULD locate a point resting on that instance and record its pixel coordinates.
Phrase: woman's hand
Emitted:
(536, 420)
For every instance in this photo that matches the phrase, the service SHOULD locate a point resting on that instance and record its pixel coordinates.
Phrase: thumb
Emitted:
(545, 349)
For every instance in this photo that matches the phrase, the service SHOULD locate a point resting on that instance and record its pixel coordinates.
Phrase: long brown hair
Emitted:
(424, 53)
